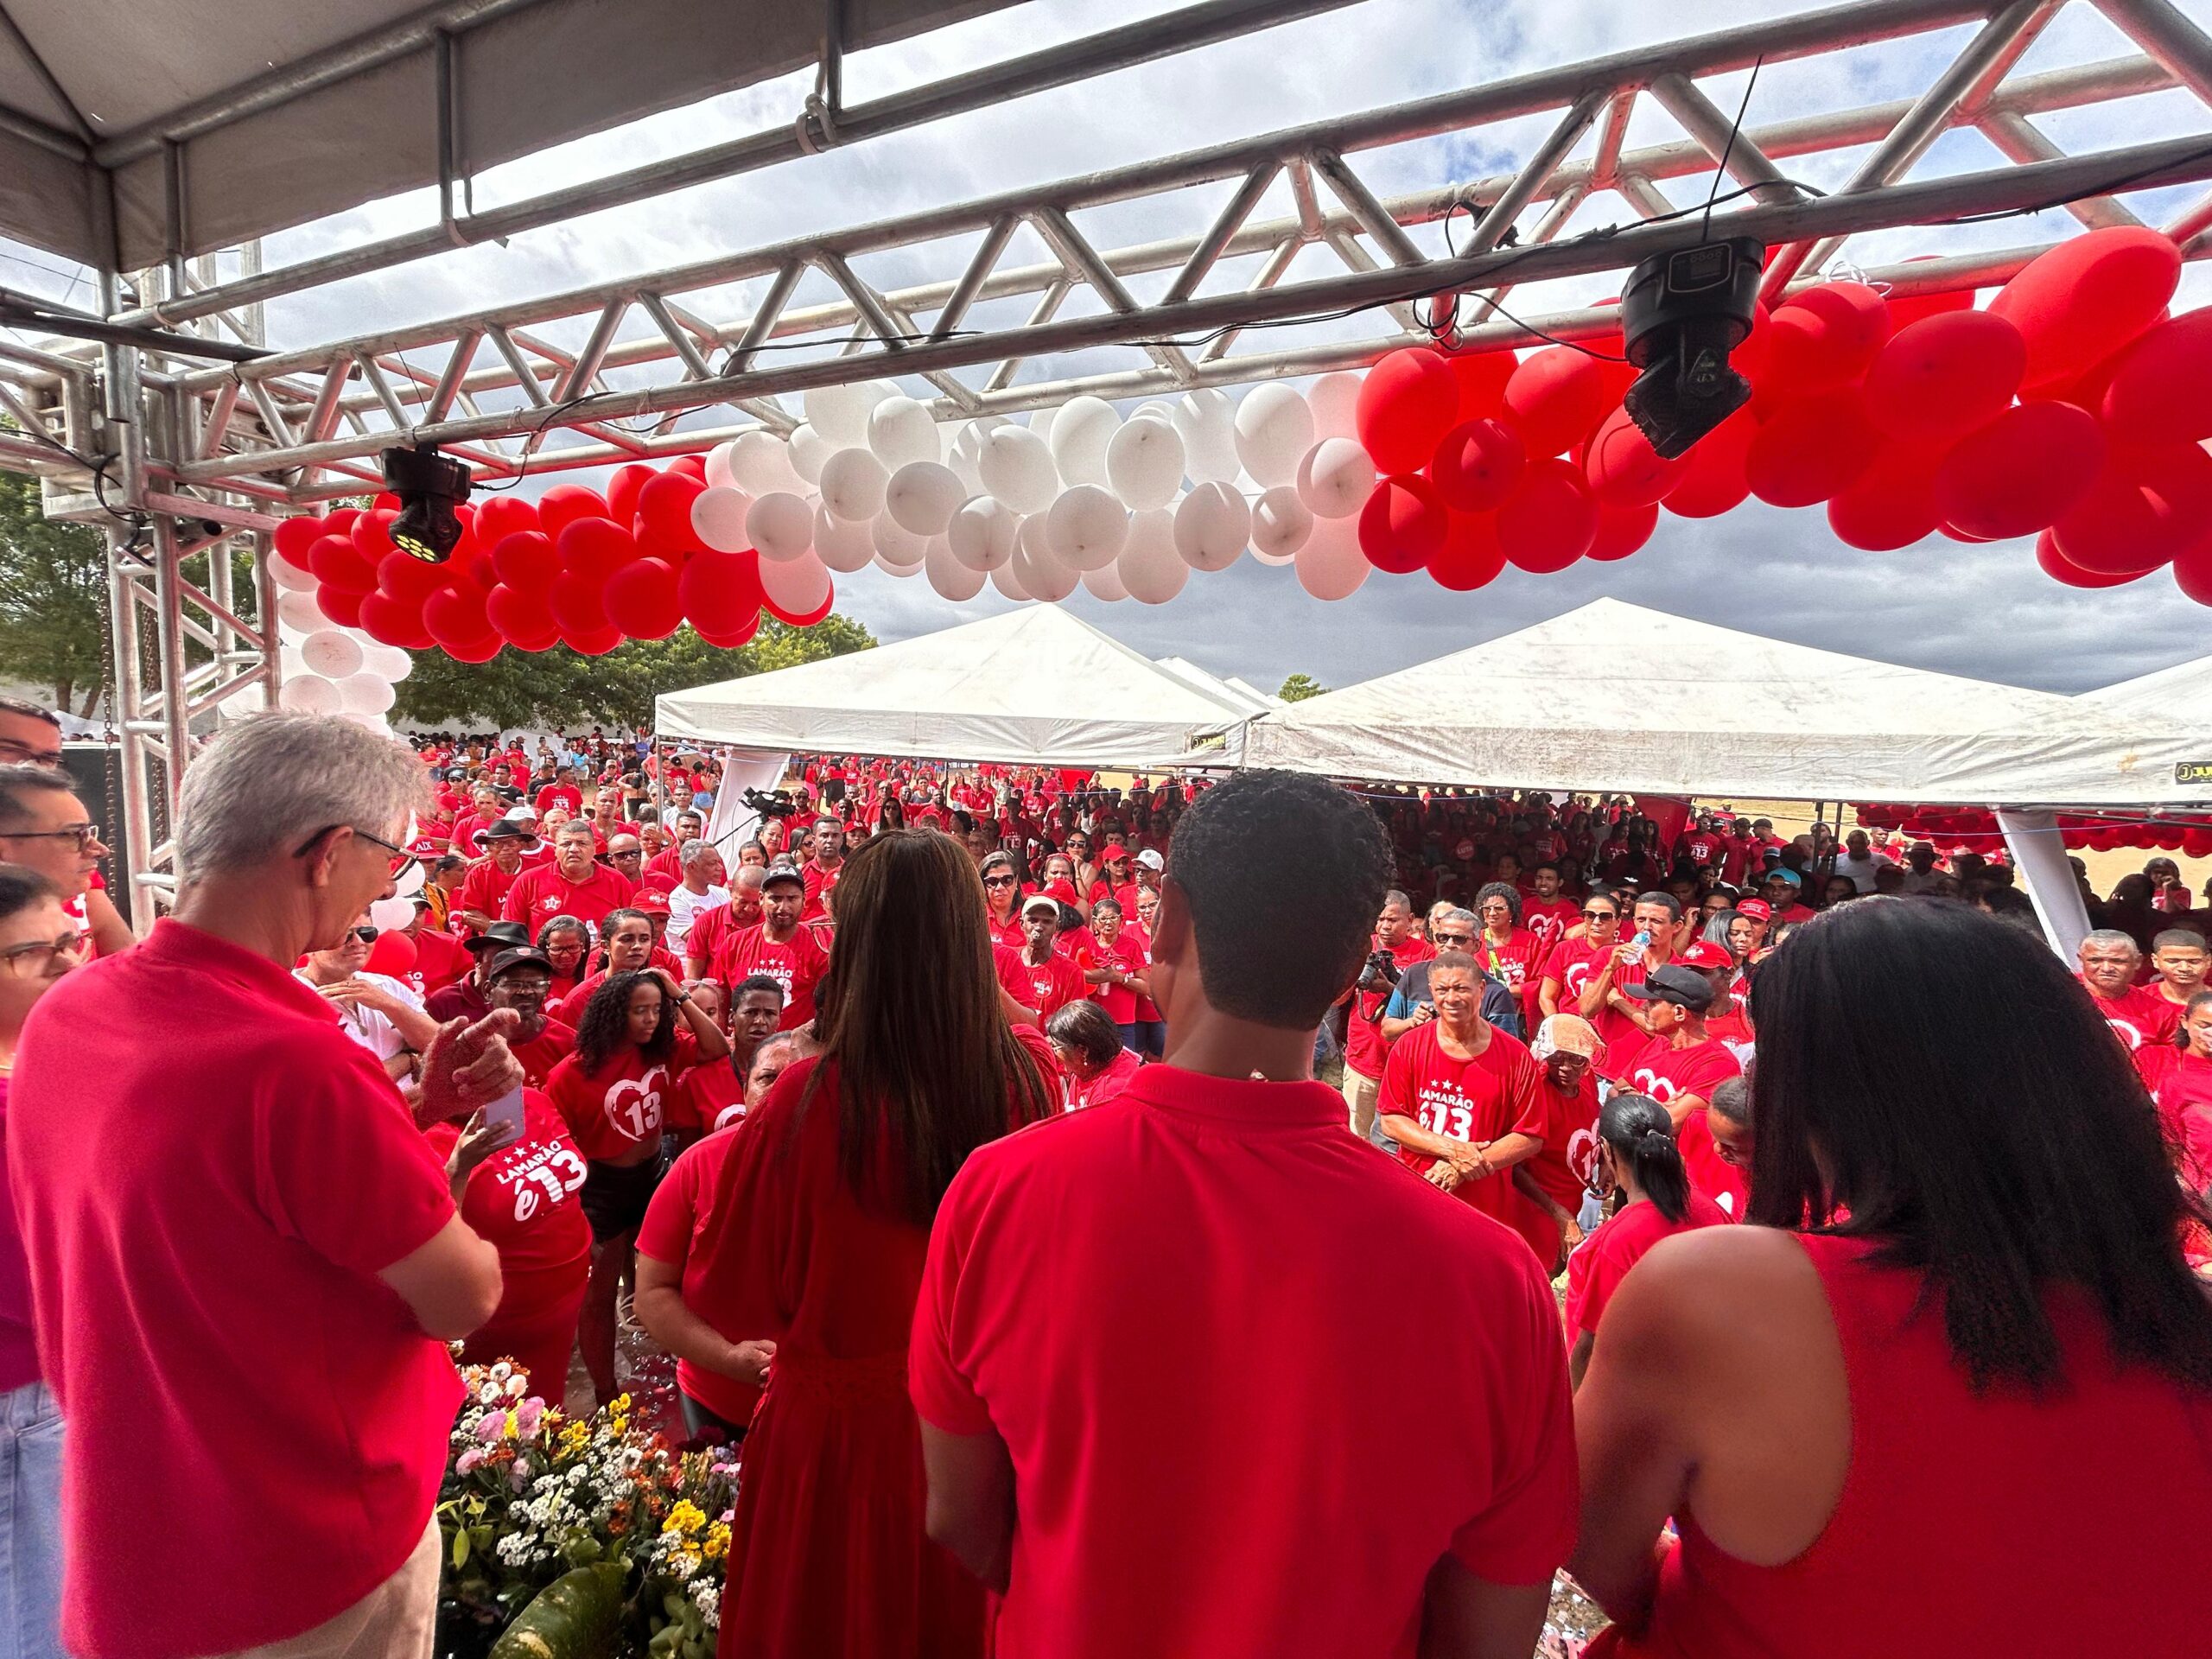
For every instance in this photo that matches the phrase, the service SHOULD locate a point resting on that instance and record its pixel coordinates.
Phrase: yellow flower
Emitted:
(716, 1543)
(686, 1518)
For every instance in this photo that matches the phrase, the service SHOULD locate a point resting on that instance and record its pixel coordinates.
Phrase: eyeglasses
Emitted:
(366, 935)
(83, 834)
(14, 749)
(28, 961)
(397, 852)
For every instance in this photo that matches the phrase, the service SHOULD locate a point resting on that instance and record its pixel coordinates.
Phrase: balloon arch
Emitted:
(2072, 407)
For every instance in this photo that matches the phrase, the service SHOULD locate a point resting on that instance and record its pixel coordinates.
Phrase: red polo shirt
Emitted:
(538, 895)
(1165, 1437)
(205, 1208)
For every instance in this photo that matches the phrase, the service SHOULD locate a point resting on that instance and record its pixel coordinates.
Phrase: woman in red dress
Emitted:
(822, 1213)
(1952, 1393)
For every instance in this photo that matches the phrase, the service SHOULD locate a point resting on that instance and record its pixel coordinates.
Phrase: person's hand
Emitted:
(1570, 1232)
(1423, 1012)
(479, 1140)
(1626, 951)
(1444, 1173)
(467, 1066)
(667, 981)
(749, 1363)
(1468, 1160)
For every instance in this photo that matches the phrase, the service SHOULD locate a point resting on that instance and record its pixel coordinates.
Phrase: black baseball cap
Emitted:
(1683, 986)
(782, 875)
(521, 955)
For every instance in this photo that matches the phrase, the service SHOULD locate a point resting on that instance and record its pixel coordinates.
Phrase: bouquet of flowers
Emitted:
(531, 1494)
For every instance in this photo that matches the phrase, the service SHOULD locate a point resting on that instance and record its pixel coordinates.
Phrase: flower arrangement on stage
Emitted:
(591, 1535)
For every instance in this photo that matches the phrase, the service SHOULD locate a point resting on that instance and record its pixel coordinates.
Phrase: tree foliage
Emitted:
(1298, 687)
(50, 578)
(558, 687)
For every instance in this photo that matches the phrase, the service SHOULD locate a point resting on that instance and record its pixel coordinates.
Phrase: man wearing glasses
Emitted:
(44, 827)
(1410, 1005)
(30, 736)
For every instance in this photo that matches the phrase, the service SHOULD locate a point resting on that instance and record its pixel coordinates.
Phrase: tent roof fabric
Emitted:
(1035, 687)
(1614, 696)
(1230, 690)
(289, 112)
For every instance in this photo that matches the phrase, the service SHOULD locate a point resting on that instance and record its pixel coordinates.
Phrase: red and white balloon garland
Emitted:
(2073, 408)
(1974, 830)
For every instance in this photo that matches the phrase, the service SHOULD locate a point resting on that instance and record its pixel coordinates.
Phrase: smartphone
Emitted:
(507, 1110)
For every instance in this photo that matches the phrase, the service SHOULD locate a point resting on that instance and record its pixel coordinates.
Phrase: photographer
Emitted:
(1394, 948)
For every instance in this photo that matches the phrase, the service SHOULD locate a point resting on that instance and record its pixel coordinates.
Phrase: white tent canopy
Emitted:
(1231, 691)
(1614, 696)
(1036, 686)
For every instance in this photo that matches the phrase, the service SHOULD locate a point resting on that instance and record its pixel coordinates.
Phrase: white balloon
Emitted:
(798, 585)
(387, 661)
(891, 569)
(1275, 429)
(1207, 420)
(1144, 462)
(376, 723)
(781, 527)
(718, 467)
(951, 579)
(808, 450)
(841, 543)
(852, 484)
(1335, 479)
(365, 694)
(1105, 583)
(718, 515)
(310, 693)
(300, 611)
(1008, 584)
(1041, 576)
(923, 495)
(1212, 527)
(897, 548)
(1334, 399)
(387, 915)
(981, 533)
(761, 464)
(331, 652)
(1016, 467)
(840, 413)
(289, 577)
(967, 451)
(1163, 408)
(1149, 567)
(1330, 565)
(1080, 433)
(243, 703)
(1086, 527)
(1280, 525)
(1040, 420)
(901, 432)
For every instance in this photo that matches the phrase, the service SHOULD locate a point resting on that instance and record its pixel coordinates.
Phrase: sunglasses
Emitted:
(1601, 915)
(998, 880)
(366, 935)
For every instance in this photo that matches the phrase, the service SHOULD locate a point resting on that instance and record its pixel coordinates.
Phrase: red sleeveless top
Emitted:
(1969, 1525)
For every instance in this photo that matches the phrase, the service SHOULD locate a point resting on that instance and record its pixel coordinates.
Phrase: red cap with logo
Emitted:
(651, 900)
(1705, 955)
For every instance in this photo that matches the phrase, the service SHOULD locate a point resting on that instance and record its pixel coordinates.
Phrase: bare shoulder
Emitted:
(1717, 1291)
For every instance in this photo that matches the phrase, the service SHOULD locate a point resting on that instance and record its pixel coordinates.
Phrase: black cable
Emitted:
(1720, 169)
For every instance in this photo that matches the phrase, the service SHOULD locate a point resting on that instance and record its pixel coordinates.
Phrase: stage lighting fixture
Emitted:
(1681, 314)
(430, 487)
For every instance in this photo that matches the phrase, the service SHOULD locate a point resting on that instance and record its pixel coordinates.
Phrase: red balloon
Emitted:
(2019, 473)
(370, 534)
(1556, 397)
(475, 650)
(294, 537)
(641, 600)
(1891, 504)
(394, 622)
(1945, 375)
(1624, 470)
(564, 503)
(454, 614)
(798, 619)
(1402, 524)
(405, 577)
(731, 639)
(595, 642)
(2197, 843)
(501, 516)
(595, 548)
(1551, 520)
(384, 501)
(1825, 337)
(1621, 530)
(2055, 565)
(2192, 570)
(1407, 403)
(336, 563)
(1907, 309)
(719, 591)
(690, 466)
(2145, 505)
(526, 559)
(1482, 377)
(342, 604)
(664, 510)
(578, 604)
(622, 490)
(1471, 556)
(519, 613)
(393, 953)
(1813, 447)
(1477, 465)
(1715, 483)
(2079, 302)
(2160, 389)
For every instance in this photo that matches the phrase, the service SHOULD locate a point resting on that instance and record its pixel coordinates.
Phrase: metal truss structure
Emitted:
(1297, 238)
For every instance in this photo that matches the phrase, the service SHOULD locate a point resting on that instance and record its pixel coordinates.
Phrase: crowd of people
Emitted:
(962, 1134)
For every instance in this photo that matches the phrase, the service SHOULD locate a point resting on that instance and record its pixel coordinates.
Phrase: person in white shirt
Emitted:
(1921, 874)
(378, 1012)
(701, 889)
(1859, 861)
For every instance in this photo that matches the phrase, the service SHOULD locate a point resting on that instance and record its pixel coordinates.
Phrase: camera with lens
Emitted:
(1380, 974)
(776, 803)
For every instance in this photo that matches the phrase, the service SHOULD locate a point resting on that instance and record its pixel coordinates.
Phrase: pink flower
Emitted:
(491, 1425)
(529, 1414)
(468, 1460)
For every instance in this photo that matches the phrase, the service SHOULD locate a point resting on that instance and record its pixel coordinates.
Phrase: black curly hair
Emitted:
(604, 1028)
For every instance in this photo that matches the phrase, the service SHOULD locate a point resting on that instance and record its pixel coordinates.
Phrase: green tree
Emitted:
(50, 578)
(558, 687)
(1298, 687)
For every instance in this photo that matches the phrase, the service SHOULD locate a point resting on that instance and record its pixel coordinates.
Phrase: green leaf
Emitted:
(459, 1551)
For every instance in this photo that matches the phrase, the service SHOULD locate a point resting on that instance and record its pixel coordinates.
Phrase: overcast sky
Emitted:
(1985, 610)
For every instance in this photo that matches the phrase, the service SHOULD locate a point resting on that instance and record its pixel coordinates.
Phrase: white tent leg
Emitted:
(2039, 854)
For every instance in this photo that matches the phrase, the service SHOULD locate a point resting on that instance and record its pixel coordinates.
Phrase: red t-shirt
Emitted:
(1052, 984)
(440, 961)
(1667, 1074)
(205, 1216)
(679, 1216)
(544, 1052)
(709, 929)
(1127, 957)
(522, 1199)
(796, 964)
(619, 1108)
(1499, 1092)
(1364, 1049)
(538, 895)
(2183, 1089)
(467, 837)
(485, 888)
(2138, 1017)
(566, 794)
(664, 868)
(1164, 1438)
(1594, 1272)
(1548, 919)
(1109, 1084)
(1710, 1173)
(818, 881)
(712, 1097)
(1569, 1160)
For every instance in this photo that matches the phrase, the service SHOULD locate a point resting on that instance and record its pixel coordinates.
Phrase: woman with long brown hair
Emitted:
(820, 1224)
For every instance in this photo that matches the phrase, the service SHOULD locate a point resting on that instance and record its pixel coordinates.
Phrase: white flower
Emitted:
(707, 1596)
(488, 1395)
